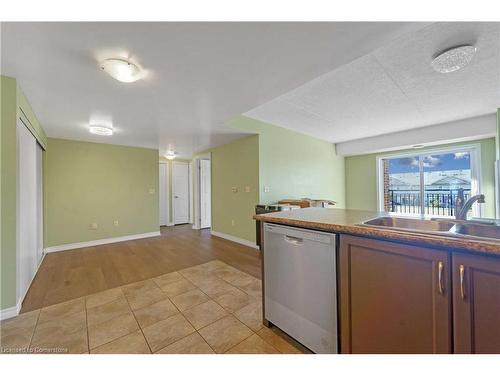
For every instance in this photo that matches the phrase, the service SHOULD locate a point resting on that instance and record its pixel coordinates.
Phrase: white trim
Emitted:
(167, 188)
(170, 224)
(228, 237)
(11, 312)
(77, 245)
(196, 189)
(476, 174)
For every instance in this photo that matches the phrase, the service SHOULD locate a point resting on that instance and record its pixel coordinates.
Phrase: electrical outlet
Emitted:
(234, 189)
(266, 189)
(232, 222)
(151, 191)
(247, 189)
(115, 223)
(93, 226)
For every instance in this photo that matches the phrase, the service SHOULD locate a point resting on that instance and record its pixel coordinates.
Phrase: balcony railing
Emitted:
(436, 201)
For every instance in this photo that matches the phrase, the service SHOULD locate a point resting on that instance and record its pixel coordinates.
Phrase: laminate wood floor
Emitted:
(67, 275)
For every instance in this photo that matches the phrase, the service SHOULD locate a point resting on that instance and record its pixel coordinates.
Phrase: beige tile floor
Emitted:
(209, 308)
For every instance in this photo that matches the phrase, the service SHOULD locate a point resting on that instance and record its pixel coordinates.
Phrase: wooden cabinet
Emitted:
(394, 298)
(476, 303)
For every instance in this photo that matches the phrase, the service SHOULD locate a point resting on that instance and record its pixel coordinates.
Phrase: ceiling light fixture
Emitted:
(121, 70)
(453, 59)
(100, 130)
(170, 155)
(418, 146)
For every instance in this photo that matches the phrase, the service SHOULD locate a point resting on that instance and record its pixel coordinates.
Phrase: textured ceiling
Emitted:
(200, 75)
(394, 88)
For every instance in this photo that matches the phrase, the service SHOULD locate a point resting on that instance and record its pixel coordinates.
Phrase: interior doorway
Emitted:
(202, 199)
(205, 194)
(180, 193)
(163, 193)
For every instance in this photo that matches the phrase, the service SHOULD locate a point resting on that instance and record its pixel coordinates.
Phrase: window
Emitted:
(428, 182)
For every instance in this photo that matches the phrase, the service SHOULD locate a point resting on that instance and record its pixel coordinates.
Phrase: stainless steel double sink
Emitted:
(448, 227)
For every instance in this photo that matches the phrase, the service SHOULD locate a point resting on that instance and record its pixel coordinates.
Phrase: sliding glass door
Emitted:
(428, 183)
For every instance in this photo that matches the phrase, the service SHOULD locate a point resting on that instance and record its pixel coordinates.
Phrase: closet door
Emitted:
(27, 209)
(39, 204)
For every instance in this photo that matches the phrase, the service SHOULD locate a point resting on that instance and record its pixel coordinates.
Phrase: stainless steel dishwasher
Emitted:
(300, 285)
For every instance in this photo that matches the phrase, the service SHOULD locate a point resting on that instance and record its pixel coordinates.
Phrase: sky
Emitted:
(442, 162)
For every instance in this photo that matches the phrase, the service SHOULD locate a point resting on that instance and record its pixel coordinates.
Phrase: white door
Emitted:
(205, 194)
(180, 192)
(27, 209)
(39, 203)
(163, 194)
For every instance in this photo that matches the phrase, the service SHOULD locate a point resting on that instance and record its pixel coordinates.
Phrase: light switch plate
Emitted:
(93, 226)
(247, 189)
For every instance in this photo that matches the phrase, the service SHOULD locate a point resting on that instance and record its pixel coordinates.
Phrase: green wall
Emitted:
(235, 165)
(14, 105)
(294, 165)
(361, 177)
(8, 192)
(99, 183)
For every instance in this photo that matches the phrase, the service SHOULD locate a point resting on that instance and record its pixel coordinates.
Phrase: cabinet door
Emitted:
(394, 298)
(476, 304)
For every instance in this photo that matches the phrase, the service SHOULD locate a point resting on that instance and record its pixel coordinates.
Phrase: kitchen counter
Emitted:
(348, 222)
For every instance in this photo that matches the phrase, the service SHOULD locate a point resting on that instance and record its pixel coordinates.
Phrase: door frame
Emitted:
(167, 191)
(190, 204)
(197, 191)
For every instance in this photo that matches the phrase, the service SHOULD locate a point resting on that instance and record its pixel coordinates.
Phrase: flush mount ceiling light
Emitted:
(418, 146)
(170, 155)
(100, 130)
(121, 70)
(453, 59)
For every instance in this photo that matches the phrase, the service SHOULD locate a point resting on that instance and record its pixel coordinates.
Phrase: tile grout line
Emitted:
(34, 328)
(138, 324)
(87, 324)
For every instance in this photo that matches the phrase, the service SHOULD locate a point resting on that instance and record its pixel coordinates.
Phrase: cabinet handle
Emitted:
(461, 271)
(440, 277)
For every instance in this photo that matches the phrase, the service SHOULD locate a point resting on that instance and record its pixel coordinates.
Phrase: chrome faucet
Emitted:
(462, 206)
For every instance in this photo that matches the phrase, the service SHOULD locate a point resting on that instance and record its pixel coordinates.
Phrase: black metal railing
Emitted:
(436, 201)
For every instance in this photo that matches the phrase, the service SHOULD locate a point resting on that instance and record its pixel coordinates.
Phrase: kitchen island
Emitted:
(403, 290)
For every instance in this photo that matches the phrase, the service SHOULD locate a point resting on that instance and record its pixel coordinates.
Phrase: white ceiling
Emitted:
(394, 88)
(202, 74)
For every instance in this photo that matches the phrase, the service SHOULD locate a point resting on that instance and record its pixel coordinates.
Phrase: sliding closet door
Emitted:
(39, 204)
(27, 209)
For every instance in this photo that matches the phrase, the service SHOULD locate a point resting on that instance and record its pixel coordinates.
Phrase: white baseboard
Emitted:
(171, 224)
(234, 239)
(104, 241)
(11, 312)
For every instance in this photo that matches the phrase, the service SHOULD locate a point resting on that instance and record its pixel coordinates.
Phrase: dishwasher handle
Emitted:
(294, 240)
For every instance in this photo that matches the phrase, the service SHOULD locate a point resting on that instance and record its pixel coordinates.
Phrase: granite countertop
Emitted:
(348, 222)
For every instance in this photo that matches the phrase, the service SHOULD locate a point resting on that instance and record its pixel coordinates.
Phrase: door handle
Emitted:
(440, 277)
(461, 271)
(294, 240)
